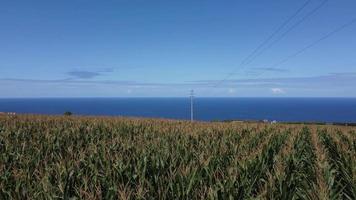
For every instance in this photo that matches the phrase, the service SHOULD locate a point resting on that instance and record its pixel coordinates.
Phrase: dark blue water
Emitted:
(280, 109)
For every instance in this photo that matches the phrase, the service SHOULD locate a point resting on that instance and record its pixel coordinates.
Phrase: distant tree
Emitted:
(68, 113)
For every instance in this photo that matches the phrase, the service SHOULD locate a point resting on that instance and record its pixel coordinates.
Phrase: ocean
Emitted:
(205, 109)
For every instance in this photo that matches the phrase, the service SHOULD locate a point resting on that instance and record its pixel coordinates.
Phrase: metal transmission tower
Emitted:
(192, 105)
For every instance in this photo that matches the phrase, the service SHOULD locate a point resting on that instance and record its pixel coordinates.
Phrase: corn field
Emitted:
(54, 157)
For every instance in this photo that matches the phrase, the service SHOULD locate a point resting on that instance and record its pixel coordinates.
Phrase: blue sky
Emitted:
(140, 48)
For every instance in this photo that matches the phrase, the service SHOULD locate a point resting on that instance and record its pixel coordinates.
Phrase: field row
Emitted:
(109, 158)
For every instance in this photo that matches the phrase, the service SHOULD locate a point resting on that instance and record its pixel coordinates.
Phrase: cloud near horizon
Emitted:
(333, 84)
(277, 91)
(82, 74)
(332, 80)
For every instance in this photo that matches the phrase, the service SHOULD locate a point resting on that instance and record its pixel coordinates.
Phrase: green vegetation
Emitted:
(126, 158)
(341, 178)
(299, 178)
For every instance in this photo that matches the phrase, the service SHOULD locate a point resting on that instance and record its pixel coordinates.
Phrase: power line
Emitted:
(244, 61)
(314, 43)
(276, 31)
(311, 13)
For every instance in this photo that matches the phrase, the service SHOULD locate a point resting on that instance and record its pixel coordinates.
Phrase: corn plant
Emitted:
(70, 157)
(299, 177)
(340, 173)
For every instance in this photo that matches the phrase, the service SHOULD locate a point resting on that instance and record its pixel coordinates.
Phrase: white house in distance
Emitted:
(7, 113)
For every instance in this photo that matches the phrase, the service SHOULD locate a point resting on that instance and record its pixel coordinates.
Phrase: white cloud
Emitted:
(231, 91)
(277, 91)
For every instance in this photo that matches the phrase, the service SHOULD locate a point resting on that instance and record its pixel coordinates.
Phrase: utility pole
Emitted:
(192, 105)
